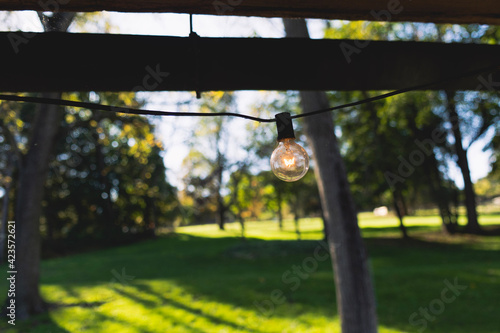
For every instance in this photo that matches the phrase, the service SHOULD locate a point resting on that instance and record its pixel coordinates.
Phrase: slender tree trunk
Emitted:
(470, 195)
(441, 196)
(398, 206)
(242, 224)
(279, 209)
(355, 295)
(221, 207)
(297, 223)
(235, 202)
(221, 211)
(296, 214)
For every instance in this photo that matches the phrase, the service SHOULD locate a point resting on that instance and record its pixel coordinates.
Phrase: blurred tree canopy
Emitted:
(398, 151)
(106, 181)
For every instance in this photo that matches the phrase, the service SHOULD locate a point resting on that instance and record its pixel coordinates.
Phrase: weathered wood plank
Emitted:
(438, 11)
(104, 62)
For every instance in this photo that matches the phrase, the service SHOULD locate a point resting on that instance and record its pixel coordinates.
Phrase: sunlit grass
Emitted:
(311, 228)
(207, 280)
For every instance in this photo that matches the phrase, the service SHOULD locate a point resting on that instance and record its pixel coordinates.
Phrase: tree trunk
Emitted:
(32, 178)
(50, 217)
(441, 196)
(355, 295)
(221, 207)
(470, 195)
(296, 214)
(297, 223)
(32, 175)
(325, 224)
(220, 213)
(221, 210)
(400, 212)
(279, 208)
(235, 202)
(242, 224)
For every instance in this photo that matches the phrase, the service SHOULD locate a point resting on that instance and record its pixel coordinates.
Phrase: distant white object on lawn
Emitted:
(381, 211)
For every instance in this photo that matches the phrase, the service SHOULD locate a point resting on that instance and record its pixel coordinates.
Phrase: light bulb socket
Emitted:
(285, 126)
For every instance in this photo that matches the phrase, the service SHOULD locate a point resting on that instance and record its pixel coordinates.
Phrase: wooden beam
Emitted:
(438, 11)
(105, 62)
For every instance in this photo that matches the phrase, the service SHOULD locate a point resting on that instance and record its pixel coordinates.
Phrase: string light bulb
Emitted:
(289, 161)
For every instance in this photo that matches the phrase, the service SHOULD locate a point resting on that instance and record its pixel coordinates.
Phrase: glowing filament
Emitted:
(289, 161)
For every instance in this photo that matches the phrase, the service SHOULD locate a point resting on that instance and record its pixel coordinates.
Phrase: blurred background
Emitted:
(206, 230)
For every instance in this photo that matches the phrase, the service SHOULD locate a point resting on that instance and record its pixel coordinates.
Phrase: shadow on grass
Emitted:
(236, 283)
(487, 230)
(42, 323)
(88, 305)
(144, 293)
(391, 231)
(411, 275)
(491, 230)
(408, 274)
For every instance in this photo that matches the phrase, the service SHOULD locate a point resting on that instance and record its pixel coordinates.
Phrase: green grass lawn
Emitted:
(206, 280)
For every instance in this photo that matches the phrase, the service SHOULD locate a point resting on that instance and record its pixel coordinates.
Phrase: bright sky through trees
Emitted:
(173, 132)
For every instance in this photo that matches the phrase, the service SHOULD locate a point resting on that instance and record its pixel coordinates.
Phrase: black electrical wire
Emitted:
(396, 92)
(117, 109)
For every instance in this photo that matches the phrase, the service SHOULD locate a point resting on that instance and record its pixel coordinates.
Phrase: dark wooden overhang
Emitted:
(108, 62)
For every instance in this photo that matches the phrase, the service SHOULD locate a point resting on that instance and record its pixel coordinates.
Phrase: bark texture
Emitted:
(32, 175)
(355, 294)
(32, 178)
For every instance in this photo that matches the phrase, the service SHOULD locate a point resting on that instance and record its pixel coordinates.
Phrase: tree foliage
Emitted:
(106, 180)
(383, 141)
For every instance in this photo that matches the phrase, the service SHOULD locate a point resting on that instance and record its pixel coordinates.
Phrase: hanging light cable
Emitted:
(289, 161)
